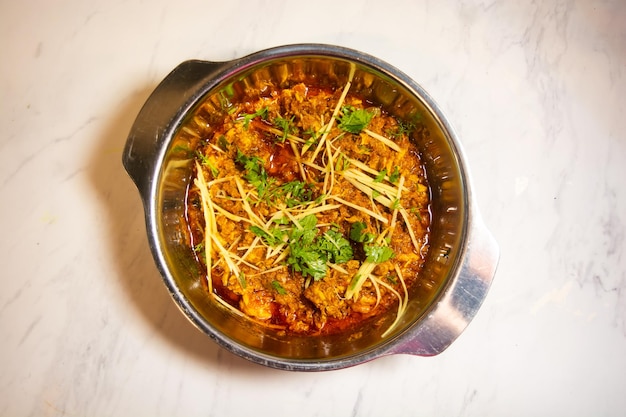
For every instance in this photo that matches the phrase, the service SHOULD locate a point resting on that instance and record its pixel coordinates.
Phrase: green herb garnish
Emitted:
(313, 136)
(255, 173)
(381, 175)
(373, 253)
(206, 161)
(279, 288)
(247, 117)
(309, 251)
(395, 175)
(223, 143)
(272, 238)
(199, 247)
(358, 233)
(336, 247)
(293, 193)
(287, 126)
(403, 128)
(354, 120)
(415, 210)
(378, 254)
(304, 257)
(224, 102)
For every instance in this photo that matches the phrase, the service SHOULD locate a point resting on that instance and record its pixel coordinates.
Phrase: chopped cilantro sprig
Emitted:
(309, 250)
(374, 253)
(255, 173)
(287, 126)
(293, 192)
(248, 117)
(354, 120)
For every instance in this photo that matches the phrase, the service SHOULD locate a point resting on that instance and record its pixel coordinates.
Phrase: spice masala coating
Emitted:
(309, 210)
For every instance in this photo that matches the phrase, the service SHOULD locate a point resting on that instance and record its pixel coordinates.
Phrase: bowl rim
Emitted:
(210, 75)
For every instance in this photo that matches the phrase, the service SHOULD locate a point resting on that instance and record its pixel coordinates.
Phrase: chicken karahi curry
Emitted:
(310, 209)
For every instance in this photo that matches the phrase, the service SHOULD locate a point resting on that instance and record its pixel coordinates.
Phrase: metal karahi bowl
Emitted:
(462, 258)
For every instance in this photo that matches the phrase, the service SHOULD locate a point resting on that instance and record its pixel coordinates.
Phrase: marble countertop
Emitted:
(536, 93)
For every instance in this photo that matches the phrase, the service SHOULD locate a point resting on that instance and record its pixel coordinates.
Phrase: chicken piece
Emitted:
(325, 297)
(365, 303)
(257, 304)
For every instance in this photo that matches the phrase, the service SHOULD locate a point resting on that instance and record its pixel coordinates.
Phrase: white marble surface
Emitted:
(536, 91)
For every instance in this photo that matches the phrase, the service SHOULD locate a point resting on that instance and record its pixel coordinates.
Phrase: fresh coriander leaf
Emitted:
(368, 238)
(320, 198)
(274, 238)
(248, 117)
(214, 171)
(206, 161)
(354, 120)
(315, 266)
(296, 192)
(302, 238)
(313, 136)
(356, 231)
(292, 188)
(279, 288)
(308, 222)
(255, 173)
(203, 158)
(308, 261)
(395, 175)
(378, 254)
(223, 143)
(293, 193)
(417, 213)
(304, 254)
(358, 234)
(381, 175)
(392, 278)
(403, 128)
(306, 236)
(282, 221)
(286, 125)
(336, 246)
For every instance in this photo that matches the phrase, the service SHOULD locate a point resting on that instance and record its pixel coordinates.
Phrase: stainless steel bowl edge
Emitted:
(144, 153)
(168, 103)
(460, 301)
